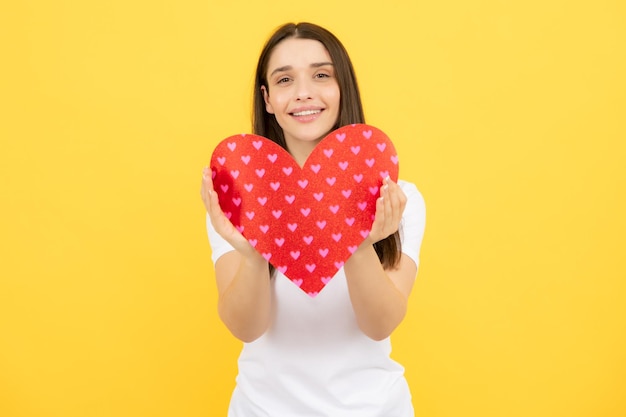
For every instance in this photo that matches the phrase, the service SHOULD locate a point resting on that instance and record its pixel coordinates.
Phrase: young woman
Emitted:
(328, 355)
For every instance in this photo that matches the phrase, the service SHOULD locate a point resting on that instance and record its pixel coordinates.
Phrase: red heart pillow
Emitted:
(305, 221)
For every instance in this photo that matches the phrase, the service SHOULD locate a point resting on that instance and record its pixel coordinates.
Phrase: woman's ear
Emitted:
(266, 98)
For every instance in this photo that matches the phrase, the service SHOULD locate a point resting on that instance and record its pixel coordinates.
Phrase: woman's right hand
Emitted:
(242, 275)
(220, 222)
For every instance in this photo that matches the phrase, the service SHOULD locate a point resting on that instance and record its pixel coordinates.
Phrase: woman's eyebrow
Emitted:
(320, 64)
(289, 67)
(281, 69)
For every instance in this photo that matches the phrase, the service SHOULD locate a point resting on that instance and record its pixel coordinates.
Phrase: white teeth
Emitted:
(306, 112)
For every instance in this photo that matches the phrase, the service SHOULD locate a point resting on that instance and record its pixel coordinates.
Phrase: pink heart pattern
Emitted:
(305, 221)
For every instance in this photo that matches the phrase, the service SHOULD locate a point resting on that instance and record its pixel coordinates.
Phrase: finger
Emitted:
(379, 218)
(218, 219)
(210, 197)
(206, 186)
(215, 210)
(394, 196)
(377, 231)
(396, 200)
(388, 210)
(207, 180)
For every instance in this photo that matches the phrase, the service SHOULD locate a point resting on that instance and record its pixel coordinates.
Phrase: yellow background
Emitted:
(508, 115)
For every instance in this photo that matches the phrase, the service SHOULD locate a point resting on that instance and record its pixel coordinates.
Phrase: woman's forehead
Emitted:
(297, 52)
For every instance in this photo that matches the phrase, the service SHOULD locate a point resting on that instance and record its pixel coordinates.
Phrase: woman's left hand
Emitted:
(379, 295)
(389, 208)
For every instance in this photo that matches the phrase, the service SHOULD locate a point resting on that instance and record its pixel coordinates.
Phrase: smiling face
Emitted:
(302, 92)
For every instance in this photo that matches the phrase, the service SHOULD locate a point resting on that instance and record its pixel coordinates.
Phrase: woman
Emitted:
(328, 355)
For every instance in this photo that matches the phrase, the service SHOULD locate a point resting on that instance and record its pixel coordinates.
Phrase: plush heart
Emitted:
(305, 221)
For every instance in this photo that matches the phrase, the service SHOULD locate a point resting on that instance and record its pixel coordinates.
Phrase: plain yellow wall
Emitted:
(510, 117)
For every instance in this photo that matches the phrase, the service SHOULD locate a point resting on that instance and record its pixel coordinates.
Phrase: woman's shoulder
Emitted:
(410, 190)
(415, 210)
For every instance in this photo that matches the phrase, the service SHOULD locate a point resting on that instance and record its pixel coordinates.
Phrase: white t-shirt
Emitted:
(314, 361)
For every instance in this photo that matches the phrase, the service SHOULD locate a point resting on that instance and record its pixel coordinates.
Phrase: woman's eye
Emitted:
(322, 75)
(282, 80)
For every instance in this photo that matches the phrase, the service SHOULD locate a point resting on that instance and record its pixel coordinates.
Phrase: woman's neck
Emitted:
(300, 151)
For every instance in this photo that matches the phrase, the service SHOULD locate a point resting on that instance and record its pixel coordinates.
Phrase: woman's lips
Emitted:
(306, 115)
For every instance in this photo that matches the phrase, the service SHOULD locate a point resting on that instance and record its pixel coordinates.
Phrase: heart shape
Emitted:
(305, 221)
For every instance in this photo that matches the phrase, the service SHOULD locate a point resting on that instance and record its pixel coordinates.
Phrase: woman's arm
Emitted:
(242, 275)
(379, 297)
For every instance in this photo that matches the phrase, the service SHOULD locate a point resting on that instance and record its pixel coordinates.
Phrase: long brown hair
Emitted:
(350, 106)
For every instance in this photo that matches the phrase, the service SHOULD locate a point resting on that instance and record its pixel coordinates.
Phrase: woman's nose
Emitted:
(304, 90)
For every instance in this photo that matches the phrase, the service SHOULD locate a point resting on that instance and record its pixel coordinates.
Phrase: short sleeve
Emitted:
(219, 246)
(413, 221)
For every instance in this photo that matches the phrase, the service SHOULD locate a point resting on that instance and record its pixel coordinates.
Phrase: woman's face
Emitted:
(302, 90)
